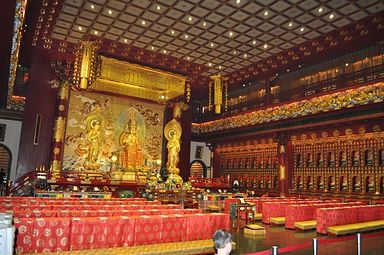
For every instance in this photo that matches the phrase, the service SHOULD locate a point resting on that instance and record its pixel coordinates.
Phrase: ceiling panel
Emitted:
(207, 30)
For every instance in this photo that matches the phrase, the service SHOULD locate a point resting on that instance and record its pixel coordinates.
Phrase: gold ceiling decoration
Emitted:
(136, 81)
(99, 73)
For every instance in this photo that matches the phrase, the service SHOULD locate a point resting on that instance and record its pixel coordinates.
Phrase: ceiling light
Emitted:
(95, 32)
(245, 55)
(243, 85)
(186, 36)
(92, 6)
(212, 44)
(301, 29)
(158, 7)
(320, 9)
(237, 1)
(162, 96)
(266, 13)
(290, 24)
(331, 16)
(143, 22)
(188, 58)
(220, 67)
(190, 18)
(110, 12)
(164, 51)
(172, 32)
(209, 64)
(80, 28)
(231, 33)
(346, 64)
(152, 48)
(234, 52)
(254, 42)
(125, 40)
(204, 24)
(265, 46)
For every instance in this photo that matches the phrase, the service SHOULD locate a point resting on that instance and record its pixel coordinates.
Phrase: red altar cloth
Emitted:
(303, 212)
(326, 217)
(42, 235)
(61, 234)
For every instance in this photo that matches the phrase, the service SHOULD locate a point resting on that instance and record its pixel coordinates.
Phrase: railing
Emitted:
(24, 185)
(344, 80)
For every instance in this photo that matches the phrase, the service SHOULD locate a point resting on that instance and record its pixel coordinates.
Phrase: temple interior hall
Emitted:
(192, 127)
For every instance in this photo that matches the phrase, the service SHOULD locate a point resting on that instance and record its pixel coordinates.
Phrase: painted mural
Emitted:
(107, 133)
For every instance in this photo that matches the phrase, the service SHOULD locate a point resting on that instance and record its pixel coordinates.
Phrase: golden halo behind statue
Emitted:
(171, 129)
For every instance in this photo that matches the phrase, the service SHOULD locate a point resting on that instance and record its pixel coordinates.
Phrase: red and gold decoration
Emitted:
(106, 134)
(16, 102)
(218, 92)
(253, 163)
(340, 161)
(86, 65)
(59, 128)
(331, 102)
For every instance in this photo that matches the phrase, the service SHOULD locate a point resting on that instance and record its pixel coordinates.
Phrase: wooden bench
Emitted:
(177, 248)
(355, 227)
(305, 225)
(277, 220)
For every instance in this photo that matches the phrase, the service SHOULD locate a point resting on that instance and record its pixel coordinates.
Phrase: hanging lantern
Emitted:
(209, 95)
(85, 65)
(218, 92)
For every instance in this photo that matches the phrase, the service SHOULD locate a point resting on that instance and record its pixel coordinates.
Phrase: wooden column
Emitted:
(283, 165)
(62, 104)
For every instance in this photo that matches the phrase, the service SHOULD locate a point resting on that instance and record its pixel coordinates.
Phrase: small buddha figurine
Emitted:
(332, 184)
(331, 159)
(371, 185)
(309, 160)
(320, 159)
(269, 162)
(343, 159)
(369, 158)
(299, 160)
(357, 186)
(356, 158)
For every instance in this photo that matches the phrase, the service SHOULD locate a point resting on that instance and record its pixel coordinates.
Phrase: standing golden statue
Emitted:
(172, 132)
(94, 139)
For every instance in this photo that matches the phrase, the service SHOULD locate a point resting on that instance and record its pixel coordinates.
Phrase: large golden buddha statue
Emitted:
(130, 150)
(172, 132)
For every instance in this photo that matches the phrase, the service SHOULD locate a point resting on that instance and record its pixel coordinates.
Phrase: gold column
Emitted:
(59, 128)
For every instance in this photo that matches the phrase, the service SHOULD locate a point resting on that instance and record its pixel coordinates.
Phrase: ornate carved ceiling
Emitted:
(237, 38)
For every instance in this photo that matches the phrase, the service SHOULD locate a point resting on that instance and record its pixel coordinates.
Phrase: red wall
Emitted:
(41, 99)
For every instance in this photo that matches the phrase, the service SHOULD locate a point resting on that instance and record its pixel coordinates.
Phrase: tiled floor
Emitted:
(288, 238)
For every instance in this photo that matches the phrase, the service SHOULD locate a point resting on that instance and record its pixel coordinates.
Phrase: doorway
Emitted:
(5, 163)
(198, 169)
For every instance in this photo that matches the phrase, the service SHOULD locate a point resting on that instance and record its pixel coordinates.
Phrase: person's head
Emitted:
(222, 241)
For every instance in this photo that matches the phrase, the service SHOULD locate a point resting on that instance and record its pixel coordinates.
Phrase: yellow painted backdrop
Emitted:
(98, 127)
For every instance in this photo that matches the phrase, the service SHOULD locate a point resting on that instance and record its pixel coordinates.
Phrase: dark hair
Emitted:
(221, 238)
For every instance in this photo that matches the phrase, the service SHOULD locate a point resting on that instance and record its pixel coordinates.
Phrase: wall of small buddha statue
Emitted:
(254, 164)
(342, 160)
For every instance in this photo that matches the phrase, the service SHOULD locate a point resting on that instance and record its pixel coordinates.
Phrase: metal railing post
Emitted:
(358, 237)
(315, 245)
(275, 250)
